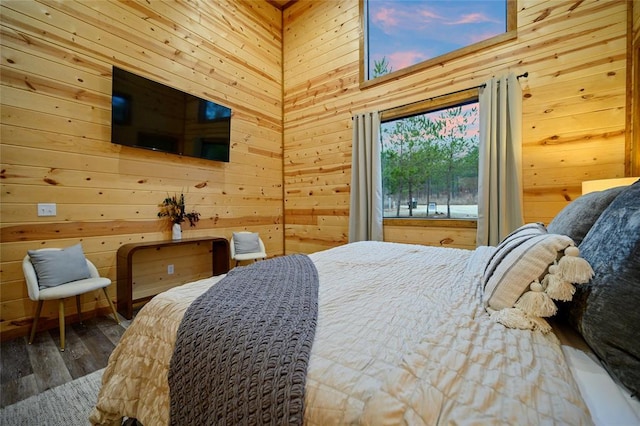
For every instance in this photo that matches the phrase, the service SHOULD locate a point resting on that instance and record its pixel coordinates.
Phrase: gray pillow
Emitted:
(55, 267)
(606, 311)
(246, 242)
(578, 217)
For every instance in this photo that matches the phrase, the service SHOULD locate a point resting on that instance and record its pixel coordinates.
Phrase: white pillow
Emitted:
(528, 271)
(55, 267)
(246, 242)
(517, 263)
(508, 244)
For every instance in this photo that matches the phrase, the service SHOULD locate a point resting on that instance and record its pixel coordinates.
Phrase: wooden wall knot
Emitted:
(445, 241)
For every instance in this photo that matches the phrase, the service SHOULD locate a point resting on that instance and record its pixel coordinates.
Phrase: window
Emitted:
(405, 34)
(211, 111)
(430, 162)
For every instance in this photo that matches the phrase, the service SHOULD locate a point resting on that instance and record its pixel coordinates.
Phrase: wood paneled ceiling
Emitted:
(281, 4)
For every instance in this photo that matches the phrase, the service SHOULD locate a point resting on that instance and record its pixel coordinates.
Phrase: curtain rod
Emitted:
(524, 74)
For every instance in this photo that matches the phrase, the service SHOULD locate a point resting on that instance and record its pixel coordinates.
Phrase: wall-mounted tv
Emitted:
(147, 114)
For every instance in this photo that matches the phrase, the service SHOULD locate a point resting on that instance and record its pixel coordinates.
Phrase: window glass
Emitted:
(402, 33)
(430, 164)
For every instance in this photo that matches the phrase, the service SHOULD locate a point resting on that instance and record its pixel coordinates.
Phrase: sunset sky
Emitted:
(472, 130)
(410, 31)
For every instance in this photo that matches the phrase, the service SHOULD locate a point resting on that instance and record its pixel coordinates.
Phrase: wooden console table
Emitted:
(127, 296)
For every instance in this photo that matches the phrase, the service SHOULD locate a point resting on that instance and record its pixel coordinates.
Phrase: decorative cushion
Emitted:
(509, 243)
(522, 277)
(520, 262)
(578, 217)
(246, 242)
(55, 267)
(606, 311)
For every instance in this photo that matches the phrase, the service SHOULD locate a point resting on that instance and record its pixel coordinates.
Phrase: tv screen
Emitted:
(147, 114)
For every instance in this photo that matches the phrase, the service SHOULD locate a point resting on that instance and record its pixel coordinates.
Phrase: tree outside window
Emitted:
(430, 164)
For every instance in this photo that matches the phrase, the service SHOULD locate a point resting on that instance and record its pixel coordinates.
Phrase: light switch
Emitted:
(46, 209)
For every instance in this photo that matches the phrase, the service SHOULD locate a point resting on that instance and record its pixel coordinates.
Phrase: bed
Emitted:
(418, 335)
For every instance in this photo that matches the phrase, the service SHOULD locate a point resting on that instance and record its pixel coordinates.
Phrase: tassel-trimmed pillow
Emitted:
(529, 270)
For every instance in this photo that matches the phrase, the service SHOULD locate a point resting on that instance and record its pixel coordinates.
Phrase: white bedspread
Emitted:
(402, 338)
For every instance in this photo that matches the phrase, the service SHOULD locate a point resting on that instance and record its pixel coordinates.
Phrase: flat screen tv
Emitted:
(147, 114)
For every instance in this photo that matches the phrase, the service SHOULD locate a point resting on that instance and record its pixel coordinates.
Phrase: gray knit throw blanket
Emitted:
(243, 347)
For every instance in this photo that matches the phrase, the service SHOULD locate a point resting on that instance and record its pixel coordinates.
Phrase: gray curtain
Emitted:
(365, 208)
(500, 160)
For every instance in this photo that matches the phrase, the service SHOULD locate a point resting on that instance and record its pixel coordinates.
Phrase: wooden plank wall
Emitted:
(56, 114)
(574, 109)
(55, 86)
(635, 90)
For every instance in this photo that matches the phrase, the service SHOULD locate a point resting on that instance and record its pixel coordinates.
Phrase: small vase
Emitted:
(176, 231)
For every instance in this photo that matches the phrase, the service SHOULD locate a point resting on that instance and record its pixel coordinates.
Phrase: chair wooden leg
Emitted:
(35, 321)
(61, 323)
(113, 308)
(79, 309)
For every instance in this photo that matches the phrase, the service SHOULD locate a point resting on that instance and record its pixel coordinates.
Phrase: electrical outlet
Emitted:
(46, 209)
(170, 269)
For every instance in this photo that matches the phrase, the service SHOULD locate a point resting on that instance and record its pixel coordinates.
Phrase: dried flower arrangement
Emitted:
(173, 208)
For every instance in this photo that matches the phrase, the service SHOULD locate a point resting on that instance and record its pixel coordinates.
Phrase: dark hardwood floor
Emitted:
(27, 370)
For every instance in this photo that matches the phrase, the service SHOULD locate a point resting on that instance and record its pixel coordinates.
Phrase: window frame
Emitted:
(423, 107)
(510, 34)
